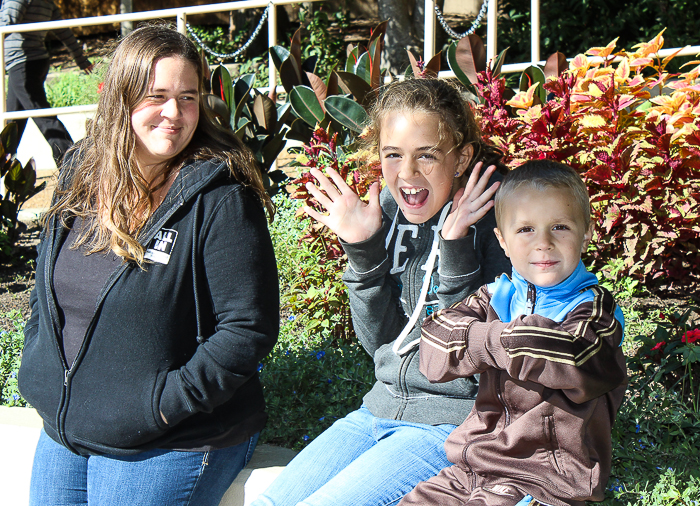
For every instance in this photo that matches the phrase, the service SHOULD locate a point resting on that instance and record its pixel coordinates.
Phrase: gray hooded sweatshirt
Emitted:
(390, 297)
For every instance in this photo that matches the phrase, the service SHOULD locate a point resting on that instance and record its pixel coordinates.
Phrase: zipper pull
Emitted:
(531, 298)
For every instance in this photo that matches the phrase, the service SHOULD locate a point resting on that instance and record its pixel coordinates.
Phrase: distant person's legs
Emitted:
(26, 91)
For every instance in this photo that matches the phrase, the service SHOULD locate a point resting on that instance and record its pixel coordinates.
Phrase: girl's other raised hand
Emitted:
(470, 203)
(349, 217)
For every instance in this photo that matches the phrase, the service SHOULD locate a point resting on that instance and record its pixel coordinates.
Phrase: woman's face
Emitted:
(166, 119)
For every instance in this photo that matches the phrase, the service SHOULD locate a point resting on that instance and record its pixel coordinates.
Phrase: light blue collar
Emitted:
(509, 298)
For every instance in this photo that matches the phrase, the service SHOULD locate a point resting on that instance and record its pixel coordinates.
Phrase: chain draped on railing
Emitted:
(238, 51)
(475, 24)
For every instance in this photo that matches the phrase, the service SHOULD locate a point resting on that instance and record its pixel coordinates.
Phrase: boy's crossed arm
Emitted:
(580, 356)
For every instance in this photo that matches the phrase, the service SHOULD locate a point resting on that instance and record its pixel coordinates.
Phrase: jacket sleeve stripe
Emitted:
(524, 339)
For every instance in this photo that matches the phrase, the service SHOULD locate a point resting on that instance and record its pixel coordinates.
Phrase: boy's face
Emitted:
(543, 234)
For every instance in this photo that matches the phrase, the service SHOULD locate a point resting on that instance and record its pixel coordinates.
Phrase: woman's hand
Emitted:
(349, 217)
(470, 204)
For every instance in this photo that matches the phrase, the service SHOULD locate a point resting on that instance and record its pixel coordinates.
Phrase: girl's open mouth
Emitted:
(414, 196)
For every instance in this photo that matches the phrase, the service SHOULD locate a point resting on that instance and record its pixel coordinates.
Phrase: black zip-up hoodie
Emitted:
(183, 336)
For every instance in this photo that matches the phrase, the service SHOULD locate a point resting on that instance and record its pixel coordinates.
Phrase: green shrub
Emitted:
(307, 389)
(572, 26)
(215, 39)
(311, 378)
(66, 89)
(639, 155)
(11, 343)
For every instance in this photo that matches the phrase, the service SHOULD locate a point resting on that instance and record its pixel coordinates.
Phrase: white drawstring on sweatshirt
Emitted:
(429, 264)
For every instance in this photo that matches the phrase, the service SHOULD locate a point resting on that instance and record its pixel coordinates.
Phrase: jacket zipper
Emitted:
(499, 395)
(531, 297)
(68, 370)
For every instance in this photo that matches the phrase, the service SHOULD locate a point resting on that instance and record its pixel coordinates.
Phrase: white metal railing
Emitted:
(179, 13)
(492, 42)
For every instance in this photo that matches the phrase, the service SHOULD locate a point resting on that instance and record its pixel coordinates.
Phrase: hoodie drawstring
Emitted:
(429, 264)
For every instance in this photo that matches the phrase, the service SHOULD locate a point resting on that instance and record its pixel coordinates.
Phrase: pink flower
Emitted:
(691, 336)
(658, 346)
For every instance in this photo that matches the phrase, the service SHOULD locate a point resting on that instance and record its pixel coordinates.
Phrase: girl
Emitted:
(156, 296)
(425, 243)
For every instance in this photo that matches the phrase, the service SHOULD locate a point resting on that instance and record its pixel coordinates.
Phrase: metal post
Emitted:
(272, 41)
(2, 99)
(126, 7)
(182, 22)
(429, 32)
(271, 69)
(492, 30)
(535, 33)
(2, 85)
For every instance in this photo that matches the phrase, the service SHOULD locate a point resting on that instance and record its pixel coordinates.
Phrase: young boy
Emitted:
(547, 346)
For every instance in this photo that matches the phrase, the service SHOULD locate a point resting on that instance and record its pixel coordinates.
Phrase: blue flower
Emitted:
(329, 381)
(286, 352)
(637, 428)
(305, 437)
(322, 418)
(15, 396)
(291, 318)
(13, 374)
(320, 355)
(260, 366)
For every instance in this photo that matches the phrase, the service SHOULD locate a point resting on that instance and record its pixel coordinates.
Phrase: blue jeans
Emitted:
(153, 478)
(361, 460)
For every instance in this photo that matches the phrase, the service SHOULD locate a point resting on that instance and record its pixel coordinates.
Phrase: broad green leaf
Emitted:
(432, 68)
(555, 65)
(469, 56)
(452, 62)
(265, 112)
(217, 106)
(241, 89)
(221, 85)
(354, 85)
(279, 54)
(347, 112)
(271, 149)
(318, 86)
(306, 105)
(498, 63)
(529, 77)
(9, 138)
(362, 69)
(414, 64)
(353, 55)
(290, 74)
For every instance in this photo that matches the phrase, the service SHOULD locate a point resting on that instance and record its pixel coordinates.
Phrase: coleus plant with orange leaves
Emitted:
(632, 130)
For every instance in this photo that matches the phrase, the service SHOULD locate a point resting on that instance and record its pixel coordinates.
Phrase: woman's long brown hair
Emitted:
(105, 186)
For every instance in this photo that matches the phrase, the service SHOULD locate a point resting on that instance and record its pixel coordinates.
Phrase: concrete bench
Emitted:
(19, 433)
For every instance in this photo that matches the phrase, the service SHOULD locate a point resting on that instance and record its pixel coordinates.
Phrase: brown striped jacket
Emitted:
(548, 394)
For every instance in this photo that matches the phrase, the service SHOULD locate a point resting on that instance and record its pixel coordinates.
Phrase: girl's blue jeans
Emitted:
(361, 460)
(153, 478)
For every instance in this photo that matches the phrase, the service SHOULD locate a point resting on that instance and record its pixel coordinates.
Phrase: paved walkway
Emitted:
(33, 145)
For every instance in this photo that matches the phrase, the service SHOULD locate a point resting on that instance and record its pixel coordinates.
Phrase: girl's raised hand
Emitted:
(349, 217)
(470, 203)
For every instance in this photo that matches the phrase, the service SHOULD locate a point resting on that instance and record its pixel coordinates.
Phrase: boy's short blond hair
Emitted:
(541, 175)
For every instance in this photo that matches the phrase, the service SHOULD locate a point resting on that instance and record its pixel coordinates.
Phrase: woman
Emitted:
(156, 296)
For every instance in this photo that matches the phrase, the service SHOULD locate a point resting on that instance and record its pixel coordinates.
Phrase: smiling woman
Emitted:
(156, 276)
(166, 119)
